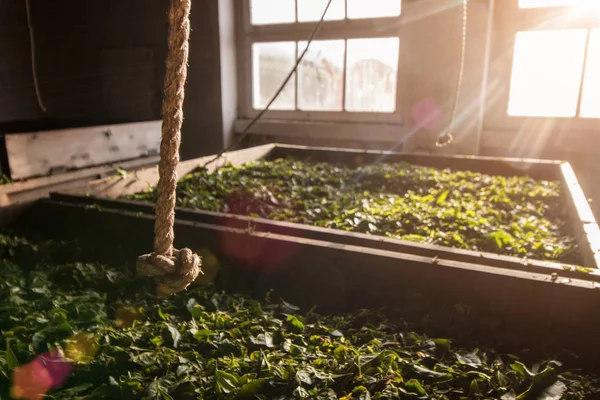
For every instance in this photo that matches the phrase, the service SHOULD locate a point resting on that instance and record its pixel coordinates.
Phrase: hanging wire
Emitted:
(244, 133)
(33, 58)
(448, 136)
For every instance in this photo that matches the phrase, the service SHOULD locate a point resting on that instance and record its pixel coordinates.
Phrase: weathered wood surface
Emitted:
(583, 222)
(145, 179)
(42, 153)
(36, 188)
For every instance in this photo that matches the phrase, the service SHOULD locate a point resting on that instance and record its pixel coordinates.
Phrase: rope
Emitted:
(36, 84)
(448, 137)
(173, 269)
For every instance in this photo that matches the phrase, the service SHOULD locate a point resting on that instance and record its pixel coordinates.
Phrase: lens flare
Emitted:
(210, 267)
(47, 371)
(126, 316)
(82, 348)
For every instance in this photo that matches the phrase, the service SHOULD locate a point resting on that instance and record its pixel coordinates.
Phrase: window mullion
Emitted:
(331, 29)
(296, 74)
(344, 75)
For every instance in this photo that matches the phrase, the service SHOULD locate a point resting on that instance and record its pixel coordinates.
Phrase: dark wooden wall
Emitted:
(98, 61)
(103, 62)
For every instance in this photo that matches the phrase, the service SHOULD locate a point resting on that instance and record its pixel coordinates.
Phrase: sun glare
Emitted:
(548, 67)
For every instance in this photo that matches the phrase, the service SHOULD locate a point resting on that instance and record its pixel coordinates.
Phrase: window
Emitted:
(349, 72)
(286, 11)
(556, 60)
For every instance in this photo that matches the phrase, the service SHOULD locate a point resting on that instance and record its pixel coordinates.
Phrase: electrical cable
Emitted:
(485, 75)
(448, 137)
(244, 133)
(33, 58)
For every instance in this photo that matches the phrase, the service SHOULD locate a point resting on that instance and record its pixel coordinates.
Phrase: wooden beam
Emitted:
(36, 188)
(145, 179)
(583, 222)
(43, 153)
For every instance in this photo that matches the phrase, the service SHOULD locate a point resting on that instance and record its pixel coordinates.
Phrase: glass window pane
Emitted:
(590, 100)
(264, 12)
(546, 73)
(271, 63)
(311, 10)
(555, 3)
(321, 76)
(372, 70)
(373, 8)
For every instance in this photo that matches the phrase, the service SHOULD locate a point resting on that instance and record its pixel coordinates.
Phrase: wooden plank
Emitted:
(583, 222)
(42, 153)
(145, 179)
(37, 188)
(376, 132)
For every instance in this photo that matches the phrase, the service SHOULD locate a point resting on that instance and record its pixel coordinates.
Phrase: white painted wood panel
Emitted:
(42, 153)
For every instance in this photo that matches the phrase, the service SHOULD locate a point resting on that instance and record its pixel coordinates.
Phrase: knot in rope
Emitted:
(173, 274)
(174, 270)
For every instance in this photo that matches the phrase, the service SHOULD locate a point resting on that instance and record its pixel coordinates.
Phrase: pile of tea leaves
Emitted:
(85, 330)
(515, 216)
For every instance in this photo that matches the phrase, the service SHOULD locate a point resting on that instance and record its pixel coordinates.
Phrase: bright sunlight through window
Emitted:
(343, 74)
(547, 73)
(548, 67)
(264, 12)
(369, 65)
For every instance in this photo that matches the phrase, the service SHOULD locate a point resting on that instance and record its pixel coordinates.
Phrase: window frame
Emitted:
(300, 31)
(508, 21)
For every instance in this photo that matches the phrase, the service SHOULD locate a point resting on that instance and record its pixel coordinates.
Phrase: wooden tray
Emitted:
(582, 220)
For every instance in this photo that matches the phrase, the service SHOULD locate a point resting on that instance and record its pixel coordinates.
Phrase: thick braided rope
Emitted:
(174, 269)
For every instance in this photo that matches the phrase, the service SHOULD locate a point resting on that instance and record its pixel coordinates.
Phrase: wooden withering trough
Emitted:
(512, 307)
(17, 196)
(447, 292)
(106, 192)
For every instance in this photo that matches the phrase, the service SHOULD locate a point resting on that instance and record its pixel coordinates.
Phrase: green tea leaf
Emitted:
(253, 388)
(471, 359)
(414, 386)
(11, 359)
(426, 373)
(295, 323)
(226, 382)
(175, 335)
(442, 199)
(303, 377)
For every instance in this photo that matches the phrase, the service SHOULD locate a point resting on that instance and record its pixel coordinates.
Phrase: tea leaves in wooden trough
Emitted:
(515, 216)
(97, 331)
